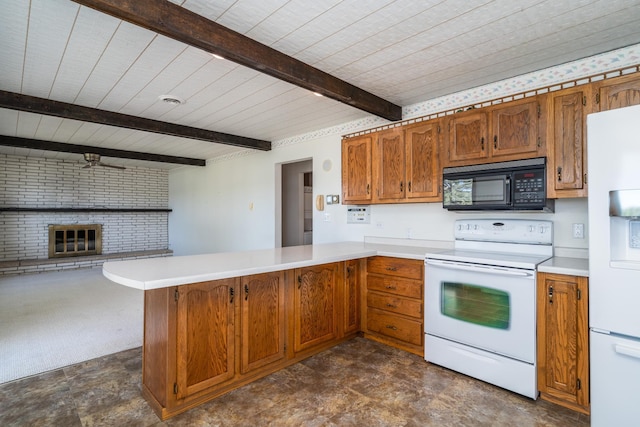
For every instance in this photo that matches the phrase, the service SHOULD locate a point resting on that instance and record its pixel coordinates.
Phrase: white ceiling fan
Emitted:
(94, 160)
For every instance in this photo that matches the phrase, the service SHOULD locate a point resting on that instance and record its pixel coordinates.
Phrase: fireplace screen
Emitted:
(75, 240)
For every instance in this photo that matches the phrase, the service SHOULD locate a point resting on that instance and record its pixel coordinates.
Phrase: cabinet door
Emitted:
(390, 165)
(467, 137)
(314, 305)
(619, 92)
(514, 129)
(352, 296)
(563, 350)
(263, 324)
(423, 165)
(205, 335)
(356, 169)
(567, 165)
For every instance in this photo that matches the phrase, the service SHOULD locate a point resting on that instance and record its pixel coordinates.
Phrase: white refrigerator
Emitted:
(613, 144)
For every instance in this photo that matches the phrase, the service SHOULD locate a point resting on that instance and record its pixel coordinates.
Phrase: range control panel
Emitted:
(505, 230)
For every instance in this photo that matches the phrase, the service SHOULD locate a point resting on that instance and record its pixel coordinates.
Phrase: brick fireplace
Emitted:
(94, 214)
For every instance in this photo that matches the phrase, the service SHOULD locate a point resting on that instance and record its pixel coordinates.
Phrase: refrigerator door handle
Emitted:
(628, 351)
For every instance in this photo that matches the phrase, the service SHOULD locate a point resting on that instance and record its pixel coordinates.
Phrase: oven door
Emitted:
(487, 307)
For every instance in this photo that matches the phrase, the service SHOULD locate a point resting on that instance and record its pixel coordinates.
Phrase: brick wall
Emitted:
(29, 182)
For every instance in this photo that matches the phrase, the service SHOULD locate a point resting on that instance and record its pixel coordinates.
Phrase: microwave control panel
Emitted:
(529, 187)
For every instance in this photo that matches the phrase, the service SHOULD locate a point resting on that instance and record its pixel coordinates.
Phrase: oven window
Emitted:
(476, 304)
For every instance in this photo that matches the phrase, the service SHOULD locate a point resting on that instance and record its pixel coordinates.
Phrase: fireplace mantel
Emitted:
(15, 209)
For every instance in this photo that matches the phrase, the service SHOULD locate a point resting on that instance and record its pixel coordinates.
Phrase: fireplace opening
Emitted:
(75, 240)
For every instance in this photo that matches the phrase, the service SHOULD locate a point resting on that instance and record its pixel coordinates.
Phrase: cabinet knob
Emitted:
(495, 142)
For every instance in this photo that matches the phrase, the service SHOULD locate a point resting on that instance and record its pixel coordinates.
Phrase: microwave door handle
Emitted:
(508, 189)
(478, 268)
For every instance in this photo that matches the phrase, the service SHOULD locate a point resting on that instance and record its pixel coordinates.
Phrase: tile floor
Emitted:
(357, 383)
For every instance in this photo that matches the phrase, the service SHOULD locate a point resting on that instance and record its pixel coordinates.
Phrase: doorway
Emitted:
(297, 198)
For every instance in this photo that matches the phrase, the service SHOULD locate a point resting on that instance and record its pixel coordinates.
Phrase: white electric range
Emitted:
(480, 301)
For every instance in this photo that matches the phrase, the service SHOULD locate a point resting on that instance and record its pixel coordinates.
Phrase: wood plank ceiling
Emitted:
(403, 51)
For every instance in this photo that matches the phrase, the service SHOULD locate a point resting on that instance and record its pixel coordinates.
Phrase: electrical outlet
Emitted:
(578, 231)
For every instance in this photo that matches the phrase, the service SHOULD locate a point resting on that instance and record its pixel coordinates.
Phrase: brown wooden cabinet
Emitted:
(397, 165)
(202, 340)
(468, 137)
(618, 92)
(314, 310)
(389, 161)
(423, 172)
(394, 308)
(205, 335)
(567, 161)
(515, 130)
(357, 169)
(563, 340)
(351, 301)
(262, 300)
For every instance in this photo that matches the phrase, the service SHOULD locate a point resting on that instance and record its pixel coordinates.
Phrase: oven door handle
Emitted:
(480, 268)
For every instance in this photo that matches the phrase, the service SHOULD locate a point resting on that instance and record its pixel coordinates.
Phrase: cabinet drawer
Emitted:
(395, 326)
(409, 268)
(406, 288)
(408, 307)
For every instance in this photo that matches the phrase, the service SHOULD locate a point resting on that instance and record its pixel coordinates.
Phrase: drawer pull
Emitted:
(392, 268)
(392, 327)
(390, 287)
(391, 305)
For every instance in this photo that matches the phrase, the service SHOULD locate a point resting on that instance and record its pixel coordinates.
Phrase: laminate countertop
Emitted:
(154, 273)
(566, 265)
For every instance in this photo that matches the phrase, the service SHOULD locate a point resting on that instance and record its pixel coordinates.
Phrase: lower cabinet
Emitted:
(394, 304)
(314, 309)
(563, 340)
(262, 299)
(205, 344)
(202, 340)
(352, 286)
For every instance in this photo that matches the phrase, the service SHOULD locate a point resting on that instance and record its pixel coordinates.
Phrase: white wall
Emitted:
(212, 206)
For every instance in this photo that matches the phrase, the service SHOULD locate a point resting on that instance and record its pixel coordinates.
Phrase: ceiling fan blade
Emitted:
(111, 166)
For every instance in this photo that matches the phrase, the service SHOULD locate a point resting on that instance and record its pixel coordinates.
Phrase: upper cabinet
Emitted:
(567, 160)
(618, 92)
(356, 169)
(389, 160)
(423, 173)
(515, 129)
(406, 164)
(467, 137)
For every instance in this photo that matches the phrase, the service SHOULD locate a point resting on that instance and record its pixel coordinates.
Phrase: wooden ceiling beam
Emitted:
(36, 144)
(176, 22)
(32, 104)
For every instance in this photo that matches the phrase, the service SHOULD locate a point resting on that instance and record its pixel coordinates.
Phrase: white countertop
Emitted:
(153, 273)
(566, 265)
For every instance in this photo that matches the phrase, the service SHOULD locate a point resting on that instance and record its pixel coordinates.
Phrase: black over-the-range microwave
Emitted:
(518, 185)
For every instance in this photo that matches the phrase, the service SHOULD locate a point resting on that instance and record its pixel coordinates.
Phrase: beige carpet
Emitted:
(56, 319)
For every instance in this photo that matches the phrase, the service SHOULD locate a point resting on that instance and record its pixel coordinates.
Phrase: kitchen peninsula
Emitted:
(215, 322)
